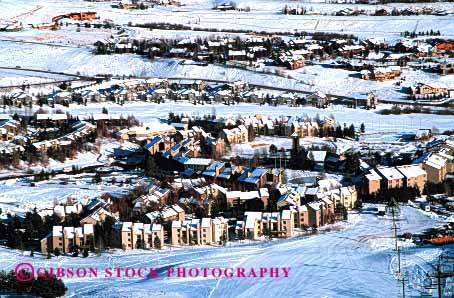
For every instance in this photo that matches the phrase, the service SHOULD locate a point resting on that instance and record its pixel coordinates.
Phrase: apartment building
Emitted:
(414, 176)
(197, 231)
(436, 167)
(130, 235)
(257, 224)
(237, 135)
(372, 182)
(65, 239)
(391, 177)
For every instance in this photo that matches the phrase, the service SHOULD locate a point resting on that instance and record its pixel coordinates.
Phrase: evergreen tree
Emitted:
(157, 242)
(362, 128)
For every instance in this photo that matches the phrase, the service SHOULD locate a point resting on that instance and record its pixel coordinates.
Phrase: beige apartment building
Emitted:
(130, 235)
(196, 231)
(391, 177)
(237, 135)
(65, 239)
(414, 176)
(257, 224)
(436, 167)
(372, 182)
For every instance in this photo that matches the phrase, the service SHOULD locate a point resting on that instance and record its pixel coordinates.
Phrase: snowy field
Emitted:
(19, 195)
(355, 259)
(264, 16)
(374, 122)
(67, 50)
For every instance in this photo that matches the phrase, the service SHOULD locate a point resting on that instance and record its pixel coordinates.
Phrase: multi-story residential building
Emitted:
(253, 179)
(130, 235)
(257, 224)
(236, 135)
(348, 197)
(305, 128)
(199, 231)
(391, 177)
(372, 182)
(301, 215)
(219, 229)
(253, 228)
(186, 232)
(436, 168)
(314, 214)
(205, 231)
(414, 176)
(66, 239)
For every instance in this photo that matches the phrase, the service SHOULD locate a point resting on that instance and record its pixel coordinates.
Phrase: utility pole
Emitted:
(441, 273)
(394, 206)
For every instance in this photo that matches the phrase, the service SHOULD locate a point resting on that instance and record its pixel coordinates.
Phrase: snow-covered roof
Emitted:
(390, 173)
(411, 171)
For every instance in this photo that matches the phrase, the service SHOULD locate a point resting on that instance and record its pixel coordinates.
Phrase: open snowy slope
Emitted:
(356, 261)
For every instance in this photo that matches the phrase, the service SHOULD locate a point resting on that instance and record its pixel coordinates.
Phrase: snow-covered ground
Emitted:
(264, 16)
(355, 259)
(373, 122)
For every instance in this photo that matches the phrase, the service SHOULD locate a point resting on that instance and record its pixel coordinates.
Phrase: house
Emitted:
(156, 195)
(66, 239)
(9, 129)
(319, 99)
(20, 98)
(428, 90)
(371, 100)
(381, 73)
(62, 211)
(214, 170)
(197, 164)
(237, 55)
(443, 47)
